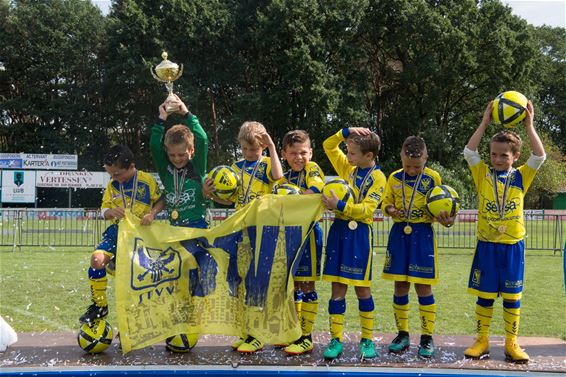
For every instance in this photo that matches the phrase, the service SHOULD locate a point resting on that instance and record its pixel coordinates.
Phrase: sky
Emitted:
(536, 12)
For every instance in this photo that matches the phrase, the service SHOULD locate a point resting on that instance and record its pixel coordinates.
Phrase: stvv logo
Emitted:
(151, 267)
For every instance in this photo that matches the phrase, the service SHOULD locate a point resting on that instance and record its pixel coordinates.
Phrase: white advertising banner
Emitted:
(38, 161)
(18, 186)
(71, 179)
(49, 161)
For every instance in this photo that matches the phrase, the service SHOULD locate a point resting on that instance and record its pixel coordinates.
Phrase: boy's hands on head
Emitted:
(330, 202)
(445, 219)
(265, 140)
(362, 131)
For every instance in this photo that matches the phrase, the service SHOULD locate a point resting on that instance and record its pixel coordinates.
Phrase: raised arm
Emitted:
(276, 168)
(475, 139)
(536, 143)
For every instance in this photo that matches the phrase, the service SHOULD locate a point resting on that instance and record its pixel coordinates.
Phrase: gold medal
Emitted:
(501, 229)
(408, 229)
(353, 225)
(174, 214)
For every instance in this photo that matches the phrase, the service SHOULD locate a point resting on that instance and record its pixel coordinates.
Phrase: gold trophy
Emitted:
(167, 72)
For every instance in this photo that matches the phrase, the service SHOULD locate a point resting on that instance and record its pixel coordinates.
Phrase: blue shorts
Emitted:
(498, 270)
(348, 254)
(411, 257)
(109, 241)
(309, 265)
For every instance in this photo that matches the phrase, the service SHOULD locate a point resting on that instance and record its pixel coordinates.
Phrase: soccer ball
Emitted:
(181, 342)
(286, 189)
(509, 108)
(341, 189)
(224, 180)
(442, 198)
(95, 337)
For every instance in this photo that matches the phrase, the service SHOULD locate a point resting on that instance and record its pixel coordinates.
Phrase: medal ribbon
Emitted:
(415, 187)
(178, 186)
(300, 178)
(364, 183)
(251, 178)
(133, 195)
(501, 207)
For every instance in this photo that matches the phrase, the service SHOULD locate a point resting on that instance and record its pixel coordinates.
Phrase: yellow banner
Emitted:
(234, 279)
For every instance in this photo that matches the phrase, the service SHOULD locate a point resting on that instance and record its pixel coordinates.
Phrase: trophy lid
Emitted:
(167, 70)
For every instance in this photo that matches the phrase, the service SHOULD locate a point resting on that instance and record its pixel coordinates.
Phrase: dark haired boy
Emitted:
(128, 190)
(411, 255)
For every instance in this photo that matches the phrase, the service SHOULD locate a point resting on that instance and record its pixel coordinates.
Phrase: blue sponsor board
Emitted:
(11, 163)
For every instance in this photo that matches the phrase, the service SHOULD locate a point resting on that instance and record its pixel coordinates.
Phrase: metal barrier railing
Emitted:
(83, 227)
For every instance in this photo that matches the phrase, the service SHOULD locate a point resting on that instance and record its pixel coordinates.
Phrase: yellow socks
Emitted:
(308, 312)
(428, 318)
(401, 313)
(366, 307)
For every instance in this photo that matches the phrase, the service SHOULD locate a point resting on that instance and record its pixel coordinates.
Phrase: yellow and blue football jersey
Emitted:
(311, 177)
(255, 186)
(373, 190)
(394, 194)
(146, 195)
(491, 227)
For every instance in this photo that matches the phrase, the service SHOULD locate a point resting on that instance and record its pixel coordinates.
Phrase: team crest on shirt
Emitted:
(426, 184)
(141, 192)
(476, 277)
(260, 173)
(151, 267)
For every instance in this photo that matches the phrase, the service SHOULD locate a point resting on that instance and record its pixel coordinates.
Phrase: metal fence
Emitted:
(49, 228)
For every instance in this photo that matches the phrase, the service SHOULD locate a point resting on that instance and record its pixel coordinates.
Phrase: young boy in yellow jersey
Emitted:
(498, 265)
(308, 176)
(348, 252)
(128, 190)
(257, 174)
(411, 248)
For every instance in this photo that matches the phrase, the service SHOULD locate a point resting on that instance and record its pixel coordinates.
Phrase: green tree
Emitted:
(436, 64)
(52, 77)
(550, 78)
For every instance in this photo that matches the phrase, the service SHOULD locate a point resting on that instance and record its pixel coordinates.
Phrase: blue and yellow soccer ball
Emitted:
(341, 189)
(224, 180)
(96, 336)
(286, 189)
(181, 342)
(509, 108)
(442, 198)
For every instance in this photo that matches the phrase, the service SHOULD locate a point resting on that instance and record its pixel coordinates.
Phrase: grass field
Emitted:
(47, 290)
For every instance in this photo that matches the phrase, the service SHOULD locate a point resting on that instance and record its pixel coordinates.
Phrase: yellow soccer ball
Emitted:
(442, 198)
(509, 108)
(224, 180)
(341, 189)
(96, 336)
(286, 189)
(181, 342)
